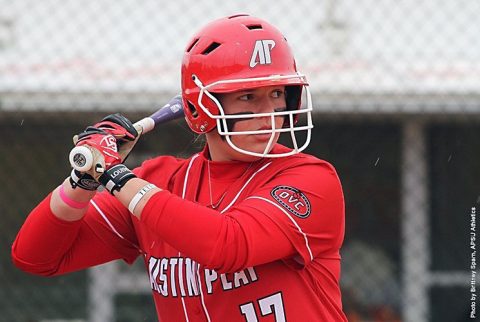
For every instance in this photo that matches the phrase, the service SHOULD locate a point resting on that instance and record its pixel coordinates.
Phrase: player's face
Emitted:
(252, 101)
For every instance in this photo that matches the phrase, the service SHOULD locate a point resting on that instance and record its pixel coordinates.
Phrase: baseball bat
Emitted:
(81, 157)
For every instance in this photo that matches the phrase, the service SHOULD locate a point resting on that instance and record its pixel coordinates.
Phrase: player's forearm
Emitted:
(172, 224)
(128, 192)
(225, 242)
(201, 233)
(70, 204)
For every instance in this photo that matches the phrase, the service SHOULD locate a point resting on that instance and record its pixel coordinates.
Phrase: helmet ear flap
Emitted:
(192, 109)
(293, 96)
(197, 114)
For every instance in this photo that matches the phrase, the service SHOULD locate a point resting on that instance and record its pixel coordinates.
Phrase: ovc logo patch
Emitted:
(293, 200)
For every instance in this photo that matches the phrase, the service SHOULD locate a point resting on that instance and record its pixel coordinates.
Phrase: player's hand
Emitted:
(122, 129)
(103, 147)
(110, 142)
(107, 168)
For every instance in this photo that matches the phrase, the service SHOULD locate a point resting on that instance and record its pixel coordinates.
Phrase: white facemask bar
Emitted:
(222, 118)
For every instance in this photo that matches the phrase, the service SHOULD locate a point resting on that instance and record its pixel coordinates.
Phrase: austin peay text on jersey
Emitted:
(179, 276)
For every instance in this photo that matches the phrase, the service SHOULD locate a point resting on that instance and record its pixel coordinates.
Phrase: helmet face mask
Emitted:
(239, 53)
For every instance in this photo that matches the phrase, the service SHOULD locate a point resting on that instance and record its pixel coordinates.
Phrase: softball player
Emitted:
(246, 230)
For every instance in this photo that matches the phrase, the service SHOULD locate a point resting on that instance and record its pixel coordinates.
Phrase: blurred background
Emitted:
(396, 88)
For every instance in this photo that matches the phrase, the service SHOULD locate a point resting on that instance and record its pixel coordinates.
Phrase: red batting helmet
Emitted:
(236, 53)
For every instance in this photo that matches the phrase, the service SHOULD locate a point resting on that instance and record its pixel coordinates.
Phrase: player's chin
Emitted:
(260, 142)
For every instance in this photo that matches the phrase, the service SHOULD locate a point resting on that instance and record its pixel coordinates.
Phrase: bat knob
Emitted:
(81, 158)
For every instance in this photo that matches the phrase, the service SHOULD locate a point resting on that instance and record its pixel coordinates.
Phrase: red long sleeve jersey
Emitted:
(224, 241)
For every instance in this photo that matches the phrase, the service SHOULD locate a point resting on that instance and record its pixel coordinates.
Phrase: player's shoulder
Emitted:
(160, 167)
(163, 161)
(314, 162)
(304, 161)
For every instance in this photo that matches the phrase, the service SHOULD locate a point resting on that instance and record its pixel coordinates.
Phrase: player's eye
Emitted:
(277, 93)
(246, 97)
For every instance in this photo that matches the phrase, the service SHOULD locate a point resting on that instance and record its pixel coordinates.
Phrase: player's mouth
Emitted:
(265, 136)
(262, 137)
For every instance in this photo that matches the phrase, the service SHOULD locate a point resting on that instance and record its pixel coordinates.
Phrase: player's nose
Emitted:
(268, 104)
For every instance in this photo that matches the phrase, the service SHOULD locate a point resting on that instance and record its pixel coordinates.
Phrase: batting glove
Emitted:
(123, 130)
(103, 147)
(83, 181)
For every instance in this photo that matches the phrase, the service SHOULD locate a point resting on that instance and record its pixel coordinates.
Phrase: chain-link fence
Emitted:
(396, 87)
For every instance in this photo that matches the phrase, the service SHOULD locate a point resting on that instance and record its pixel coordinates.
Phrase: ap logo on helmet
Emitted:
(261, 53)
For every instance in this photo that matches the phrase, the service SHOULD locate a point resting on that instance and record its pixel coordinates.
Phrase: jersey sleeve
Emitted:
(297, 214)
(47, 245)
(306, 203)
(111, 222)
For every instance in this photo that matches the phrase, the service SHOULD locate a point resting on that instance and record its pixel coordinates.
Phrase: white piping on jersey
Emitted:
(183, 197)
(201, 294)
(180, 277)
(198, 273)
(186, 176)
(113, 228)
(179, 254)
(291, 219)
(202, 297)
(183, 304)
(246, 183)
(108, 221)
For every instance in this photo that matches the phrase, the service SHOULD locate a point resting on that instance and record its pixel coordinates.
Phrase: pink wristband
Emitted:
(70, 202)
